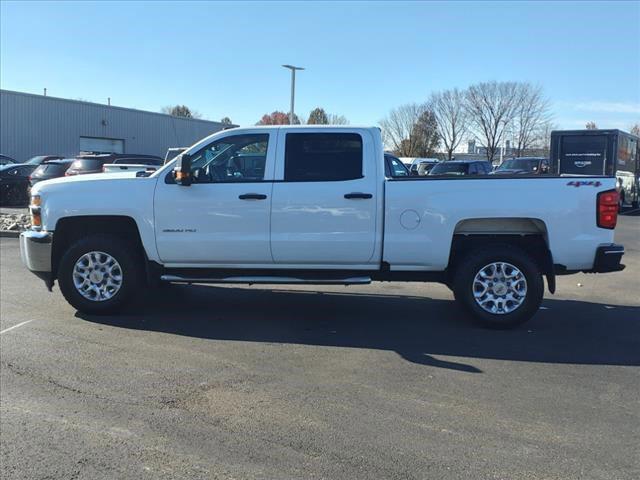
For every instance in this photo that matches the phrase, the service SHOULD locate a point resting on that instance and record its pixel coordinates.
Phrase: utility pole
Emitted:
(293, 89)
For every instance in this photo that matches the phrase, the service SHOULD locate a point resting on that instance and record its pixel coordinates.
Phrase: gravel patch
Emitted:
(14, 221)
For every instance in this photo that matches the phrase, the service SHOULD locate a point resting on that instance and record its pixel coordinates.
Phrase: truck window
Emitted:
(239, 158)
(322, 157)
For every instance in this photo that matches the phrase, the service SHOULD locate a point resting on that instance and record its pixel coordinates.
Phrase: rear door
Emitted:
(325, 199)
(583, 154)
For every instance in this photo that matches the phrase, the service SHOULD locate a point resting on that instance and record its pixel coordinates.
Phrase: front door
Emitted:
(223, 217)
(324, 206)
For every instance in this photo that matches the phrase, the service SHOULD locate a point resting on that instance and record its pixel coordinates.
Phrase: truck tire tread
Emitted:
(126, 255)
(469, 266)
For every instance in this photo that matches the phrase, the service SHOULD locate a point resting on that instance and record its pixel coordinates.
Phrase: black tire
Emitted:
(128, 258)
(634, 204)
(470, 266)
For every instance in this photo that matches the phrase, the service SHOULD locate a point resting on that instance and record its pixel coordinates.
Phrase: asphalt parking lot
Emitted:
(377, 382)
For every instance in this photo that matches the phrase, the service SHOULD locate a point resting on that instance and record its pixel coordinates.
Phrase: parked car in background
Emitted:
(93, 163)
(50, 169)
(422, 166)
(172, 153)
(462, 167)
(6, 160)
(40, 159)
(14, 181)
(394, 167)
(523, 166)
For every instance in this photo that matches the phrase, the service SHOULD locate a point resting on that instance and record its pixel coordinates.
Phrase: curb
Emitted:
(10, 233)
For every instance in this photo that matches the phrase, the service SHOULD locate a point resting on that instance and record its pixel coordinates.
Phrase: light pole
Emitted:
(293, 88)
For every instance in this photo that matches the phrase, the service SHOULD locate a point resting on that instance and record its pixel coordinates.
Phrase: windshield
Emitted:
(449, 168)
(528, 164)
(35, 160)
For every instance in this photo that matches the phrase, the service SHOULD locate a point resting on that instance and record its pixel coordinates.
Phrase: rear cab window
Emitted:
(450, 168)
(51, 168)
(88, 164)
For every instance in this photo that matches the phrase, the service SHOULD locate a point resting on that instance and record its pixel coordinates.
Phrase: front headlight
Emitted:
(35, 210)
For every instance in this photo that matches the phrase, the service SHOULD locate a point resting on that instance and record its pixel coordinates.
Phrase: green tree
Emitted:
(426, 133)
(318, 117)
(591, 126)
(226, 121)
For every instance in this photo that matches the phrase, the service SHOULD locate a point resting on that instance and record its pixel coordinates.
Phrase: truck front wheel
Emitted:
(500, 285)
(98, 274)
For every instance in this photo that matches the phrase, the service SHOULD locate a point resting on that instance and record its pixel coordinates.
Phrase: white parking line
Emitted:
(15, 326)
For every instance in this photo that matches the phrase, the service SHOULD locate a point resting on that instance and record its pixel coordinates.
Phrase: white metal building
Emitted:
(41, 125)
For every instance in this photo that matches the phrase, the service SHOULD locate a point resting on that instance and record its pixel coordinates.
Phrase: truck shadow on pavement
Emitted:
(417, 328)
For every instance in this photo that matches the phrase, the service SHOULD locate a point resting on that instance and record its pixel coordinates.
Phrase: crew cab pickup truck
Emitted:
(313, 205)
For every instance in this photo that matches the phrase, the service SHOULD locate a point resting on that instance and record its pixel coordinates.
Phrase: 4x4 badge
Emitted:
(586, 183)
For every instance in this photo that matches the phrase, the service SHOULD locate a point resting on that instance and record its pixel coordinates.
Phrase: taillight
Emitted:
(607, 209)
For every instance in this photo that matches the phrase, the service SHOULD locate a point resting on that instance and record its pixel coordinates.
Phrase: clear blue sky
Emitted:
(362, 58)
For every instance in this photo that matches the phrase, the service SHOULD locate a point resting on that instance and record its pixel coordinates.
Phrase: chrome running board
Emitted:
(268, 279)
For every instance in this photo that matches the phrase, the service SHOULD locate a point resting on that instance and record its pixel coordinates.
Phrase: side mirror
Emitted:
(182, 170)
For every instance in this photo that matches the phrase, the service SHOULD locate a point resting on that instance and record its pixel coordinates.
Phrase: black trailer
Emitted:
(599, 152)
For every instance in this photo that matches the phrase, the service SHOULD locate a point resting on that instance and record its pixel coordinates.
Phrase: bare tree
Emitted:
(491, 107)
(591, 126)
(635, 129)
(180, 111)
(532, 113)
(449, 110)
(542, 140)
(399, 129)
(335, 119)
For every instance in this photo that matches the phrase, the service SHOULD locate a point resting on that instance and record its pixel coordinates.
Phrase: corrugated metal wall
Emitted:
(36, 125)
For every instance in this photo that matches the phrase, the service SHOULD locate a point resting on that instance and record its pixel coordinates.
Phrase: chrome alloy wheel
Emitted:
(499, 288)
(97, 276)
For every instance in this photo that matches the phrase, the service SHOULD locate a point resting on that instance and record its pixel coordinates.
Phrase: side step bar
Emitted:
(268, 279)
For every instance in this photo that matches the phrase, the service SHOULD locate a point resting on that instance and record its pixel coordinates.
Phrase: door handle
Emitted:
(252, 196)
(352, 195)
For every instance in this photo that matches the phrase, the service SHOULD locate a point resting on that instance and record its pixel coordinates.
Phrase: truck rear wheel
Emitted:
(500, 285)
(99, 274)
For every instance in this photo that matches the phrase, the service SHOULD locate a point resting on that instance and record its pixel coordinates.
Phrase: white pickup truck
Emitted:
(318, 205)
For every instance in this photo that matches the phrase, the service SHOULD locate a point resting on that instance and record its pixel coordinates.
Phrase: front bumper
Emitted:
(608, 259)
(35, 251)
